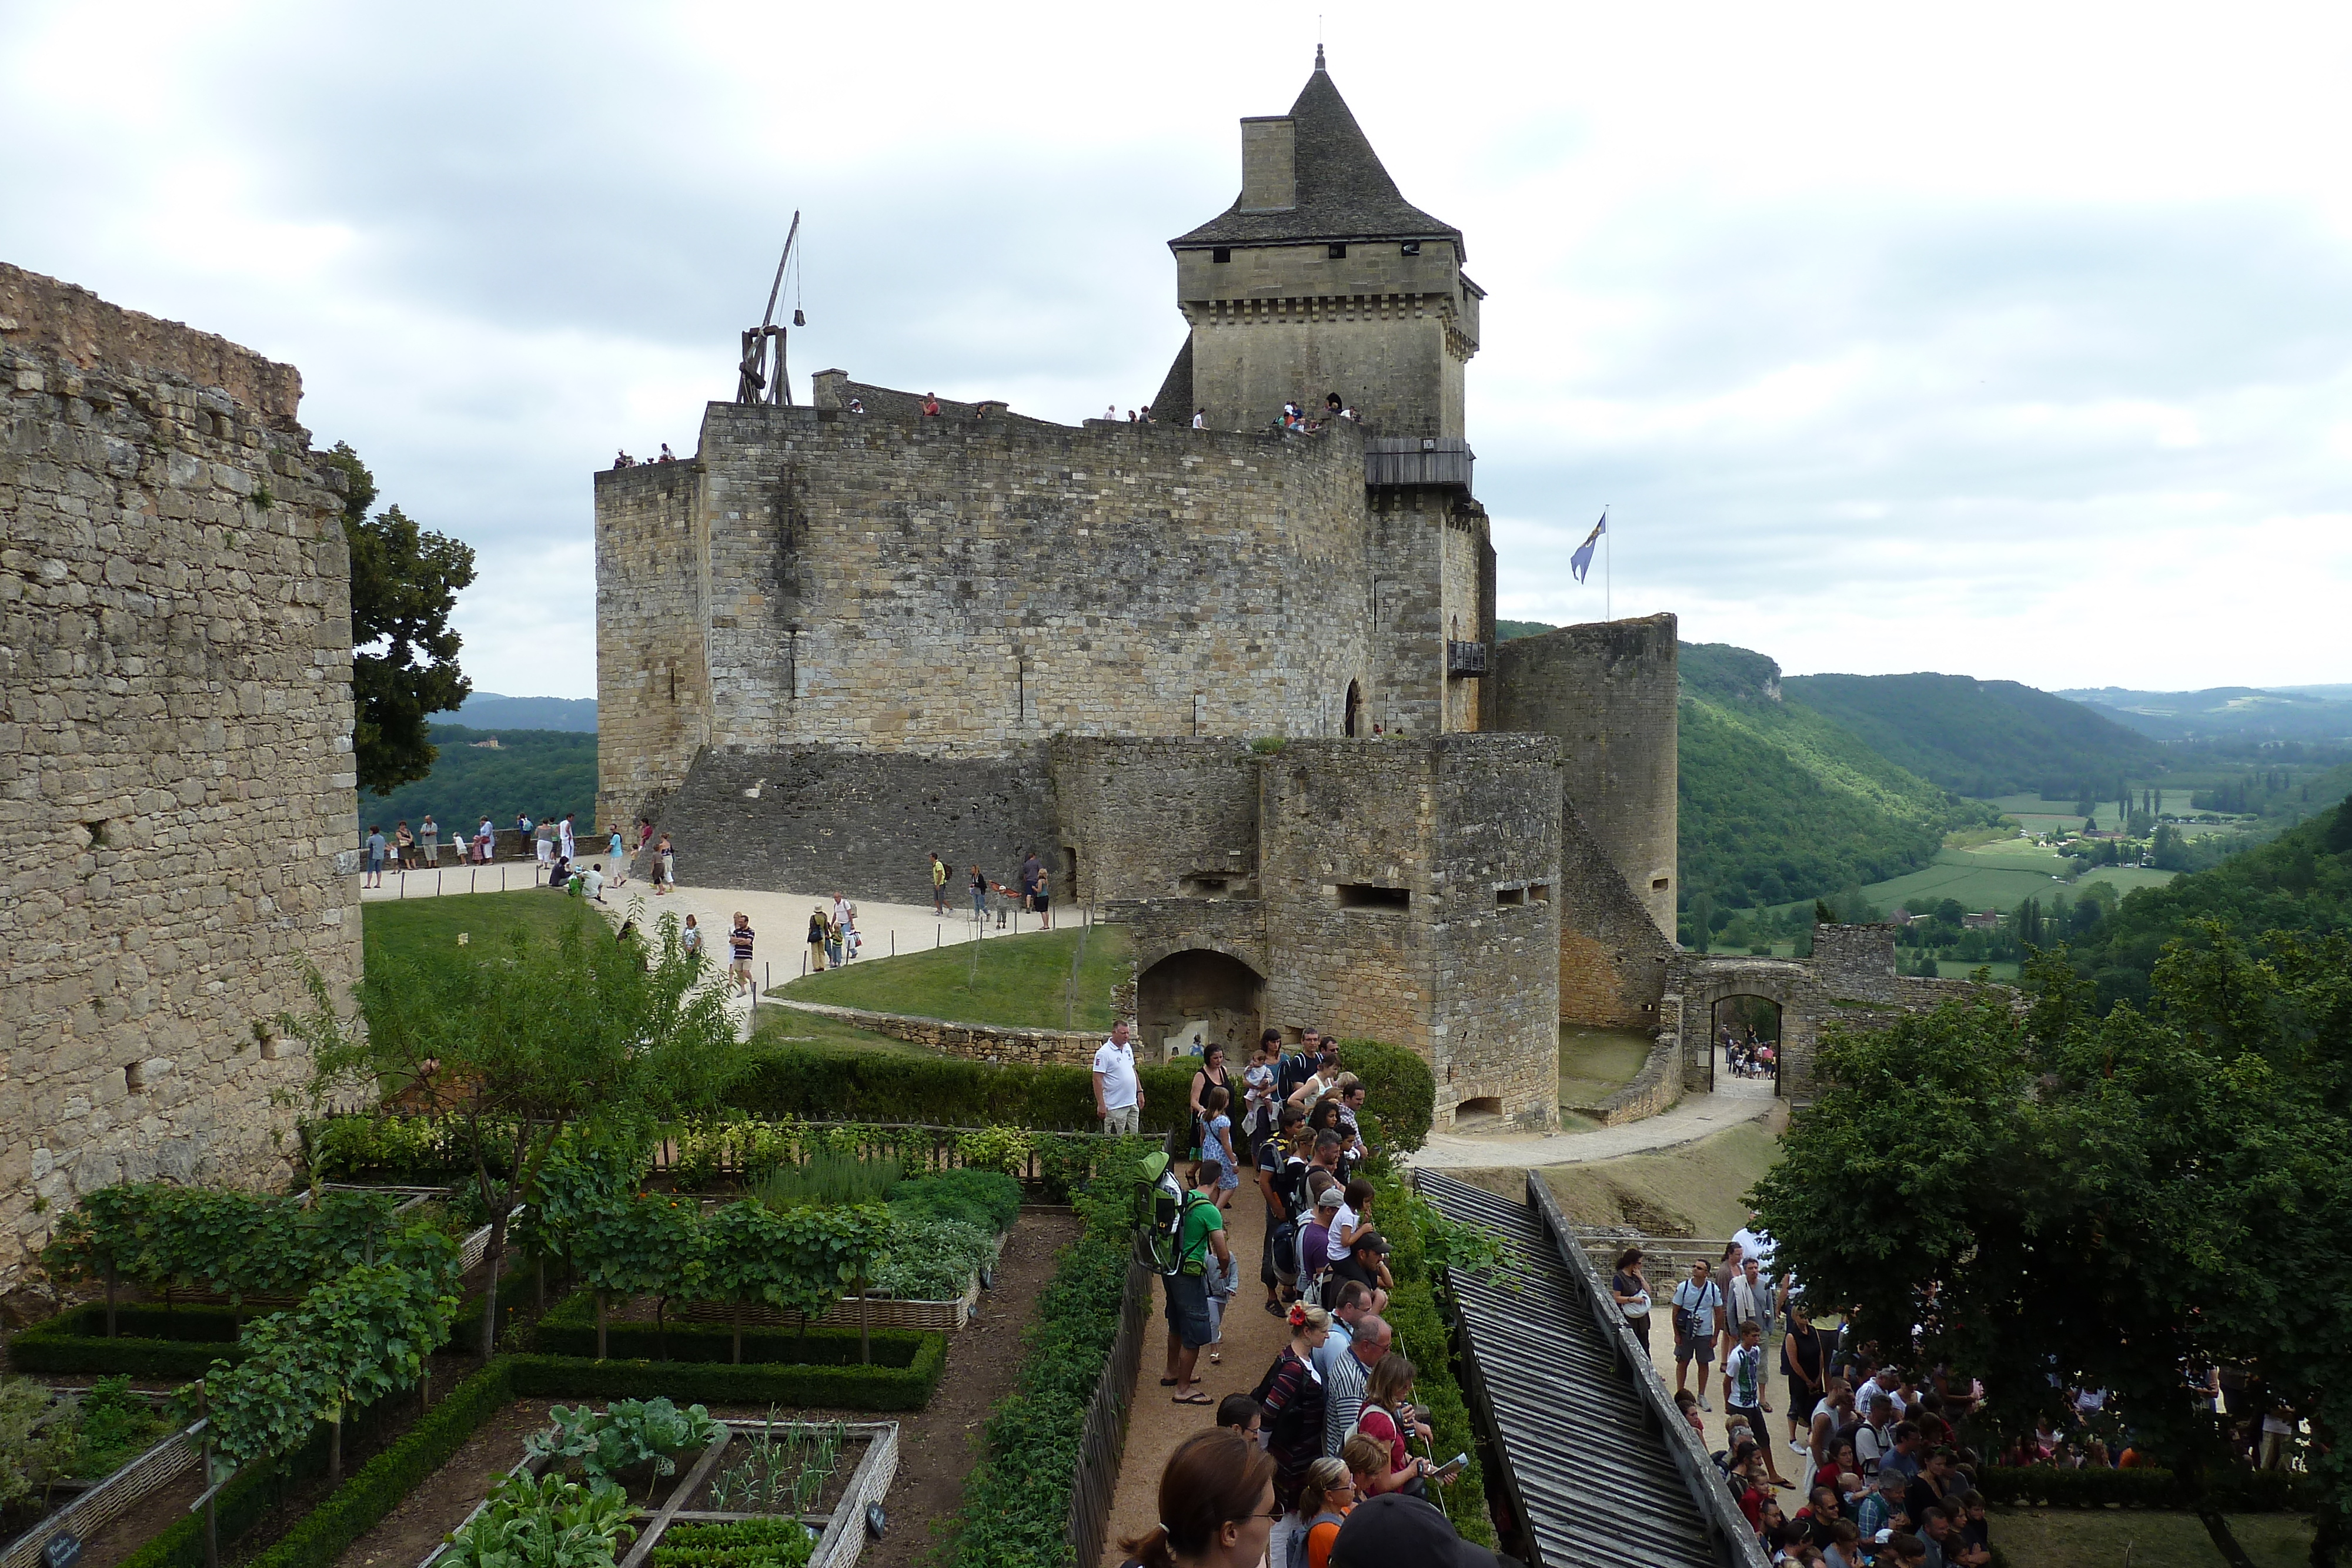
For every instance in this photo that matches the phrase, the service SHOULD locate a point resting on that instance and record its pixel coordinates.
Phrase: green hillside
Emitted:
(1778, 803)
(1982, 738)
(1507, 630)
(2299, 881)
(545, 772)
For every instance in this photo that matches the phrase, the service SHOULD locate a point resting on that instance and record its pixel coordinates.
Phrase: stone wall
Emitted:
(1608, 692)
(1157, 818)
(175, 767)
(819, 818)
(652, 685)
(1613, 956)
(972, 1041)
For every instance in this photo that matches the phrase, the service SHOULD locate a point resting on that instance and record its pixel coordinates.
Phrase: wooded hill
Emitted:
(545, 772)
(1983, 738)
(1779, 803)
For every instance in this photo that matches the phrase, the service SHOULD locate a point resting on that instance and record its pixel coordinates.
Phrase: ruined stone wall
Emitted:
(1465, 553)
(1494, 920)
(1608, 691)
(820, 820)
(175, 766)
(978, 584)
(651, 688)
(1613, 956)
(1157, 818)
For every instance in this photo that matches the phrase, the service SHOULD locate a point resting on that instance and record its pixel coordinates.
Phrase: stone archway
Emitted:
(1200, 985)
(1740, 1027)
(1355, 709)
(1786, 984)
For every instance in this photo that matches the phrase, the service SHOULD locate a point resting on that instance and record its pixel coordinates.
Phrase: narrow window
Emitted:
(1220, 254)
(1410, 247)
(1539, 893)
(1369, 895)
(1336, 252)
(135, 1078)
(1509, 897)
(1658, 884)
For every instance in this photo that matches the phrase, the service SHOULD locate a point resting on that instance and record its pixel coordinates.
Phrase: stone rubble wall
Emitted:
(972, 1041)
(175, 757)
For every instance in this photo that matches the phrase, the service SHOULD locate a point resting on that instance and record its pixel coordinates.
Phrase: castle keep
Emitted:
(1238, 684)
(175, 767)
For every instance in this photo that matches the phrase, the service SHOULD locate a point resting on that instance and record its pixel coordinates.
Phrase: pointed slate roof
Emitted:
(1344, 193)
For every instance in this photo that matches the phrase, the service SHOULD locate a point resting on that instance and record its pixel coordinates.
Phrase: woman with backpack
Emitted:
(1323, 1501)
(1291, 1393)
(1386, 1416)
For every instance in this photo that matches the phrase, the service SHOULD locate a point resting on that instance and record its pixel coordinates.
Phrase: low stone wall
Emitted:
(1657, 1087)
(973, 1042)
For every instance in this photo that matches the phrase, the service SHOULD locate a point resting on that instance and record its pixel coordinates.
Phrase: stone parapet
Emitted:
(972, 1041)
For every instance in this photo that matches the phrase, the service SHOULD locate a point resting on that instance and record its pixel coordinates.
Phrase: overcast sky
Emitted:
(2008, 340)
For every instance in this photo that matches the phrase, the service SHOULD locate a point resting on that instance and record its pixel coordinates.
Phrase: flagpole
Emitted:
(1608, 572)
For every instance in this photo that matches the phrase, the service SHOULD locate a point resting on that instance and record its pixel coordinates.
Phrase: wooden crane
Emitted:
(760, 376)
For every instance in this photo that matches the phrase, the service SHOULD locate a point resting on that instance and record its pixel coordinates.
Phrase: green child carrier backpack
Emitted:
(1162, 1202)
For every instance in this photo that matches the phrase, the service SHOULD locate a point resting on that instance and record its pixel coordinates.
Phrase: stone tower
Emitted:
(1321, 278)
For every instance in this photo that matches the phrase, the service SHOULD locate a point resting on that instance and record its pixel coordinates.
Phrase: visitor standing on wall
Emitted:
(429, 832)
(939, 885)
(1119, 1089)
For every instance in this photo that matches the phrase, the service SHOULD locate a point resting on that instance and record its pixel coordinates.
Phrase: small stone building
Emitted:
(175, 755)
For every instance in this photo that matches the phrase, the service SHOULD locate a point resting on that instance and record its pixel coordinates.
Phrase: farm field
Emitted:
(2037, 814)
(2002, 881)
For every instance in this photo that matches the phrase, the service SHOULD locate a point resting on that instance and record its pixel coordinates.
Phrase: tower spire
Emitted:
(1318, 54)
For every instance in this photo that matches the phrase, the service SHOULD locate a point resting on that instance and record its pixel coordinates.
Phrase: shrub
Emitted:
(932, 1260)
(817, 1081)
(712, 1381)
(987, 1199)
(826, 1178)
(1398, 1088)
(1421, 1334)
(1016, 1502)
(149, 1343)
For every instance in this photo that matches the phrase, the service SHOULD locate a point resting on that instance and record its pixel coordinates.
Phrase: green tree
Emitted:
(405, 581)
(1702, 919)
(578, 1030)
(2057, 1192)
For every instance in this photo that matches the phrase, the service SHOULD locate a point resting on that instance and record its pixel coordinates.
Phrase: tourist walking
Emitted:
(543, 844)
(668, 872)
(816, 935)
(1215, 1498)
(939, 885)
(1119, 1089)
(979, 896)
(1696, 1302)
(1744, 1394)
(1202, 1252)
(429, 832)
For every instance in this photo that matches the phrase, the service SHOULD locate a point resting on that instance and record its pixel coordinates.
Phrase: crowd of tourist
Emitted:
(551, 844)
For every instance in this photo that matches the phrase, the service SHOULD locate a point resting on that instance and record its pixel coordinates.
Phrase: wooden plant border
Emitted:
(159, 1466)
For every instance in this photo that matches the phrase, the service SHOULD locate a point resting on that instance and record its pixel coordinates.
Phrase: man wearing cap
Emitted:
(1367, 1263)
(1343, 1390)
(1395, 1531)
(1315, 1231)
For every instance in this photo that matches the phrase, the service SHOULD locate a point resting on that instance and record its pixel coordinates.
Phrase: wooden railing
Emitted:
(1104, 1445)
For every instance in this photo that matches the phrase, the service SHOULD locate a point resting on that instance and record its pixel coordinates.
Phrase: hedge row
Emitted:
(2225, 1491)
(1398, 1088)
(1016, 1501)
(844, 1083)
(1421, 1334)
(184, 1343)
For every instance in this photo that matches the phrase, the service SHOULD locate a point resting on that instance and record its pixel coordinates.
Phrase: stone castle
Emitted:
(175, 767)
(1239, 686)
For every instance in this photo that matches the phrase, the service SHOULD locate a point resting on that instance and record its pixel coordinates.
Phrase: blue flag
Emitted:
(1581, 561)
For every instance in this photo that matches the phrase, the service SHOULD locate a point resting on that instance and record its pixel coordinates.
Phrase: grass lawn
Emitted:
(2274, 1540)
(1694, 1189)
(1015, 981)
(2099, 1538)
(426, 930)
(1595, 1064)
(1981, 880)
(784, 1027)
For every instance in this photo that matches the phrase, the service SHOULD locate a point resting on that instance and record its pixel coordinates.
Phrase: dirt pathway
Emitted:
(1252, 1338)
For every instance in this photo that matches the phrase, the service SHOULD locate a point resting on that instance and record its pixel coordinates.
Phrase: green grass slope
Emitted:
(546, 772)
(1982, 737)
(1017, 982)
(1779, 803)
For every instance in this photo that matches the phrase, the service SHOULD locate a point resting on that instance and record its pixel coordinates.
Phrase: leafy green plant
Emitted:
(997, 1148)
(29, 1455)
(741, 1544)
(819, 1080)
(110, 1428)
(985, 1199)
(932, 1260)
(548, 1522)
(631, 1432)
(168, 1238)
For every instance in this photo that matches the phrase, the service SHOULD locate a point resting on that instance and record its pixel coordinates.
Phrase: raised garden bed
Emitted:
(818, 1476)
(138, 1451)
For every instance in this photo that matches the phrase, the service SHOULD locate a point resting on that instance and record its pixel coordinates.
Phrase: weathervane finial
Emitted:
(1319, 56)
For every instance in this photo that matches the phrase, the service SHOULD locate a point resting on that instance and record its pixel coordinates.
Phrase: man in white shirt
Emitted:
(592, 879)
(1119, 1093)
(564, 838)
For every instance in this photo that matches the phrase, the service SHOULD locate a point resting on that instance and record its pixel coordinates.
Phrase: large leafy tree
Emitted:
(2044, 1192)
(405, 581)
(581, 1030)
